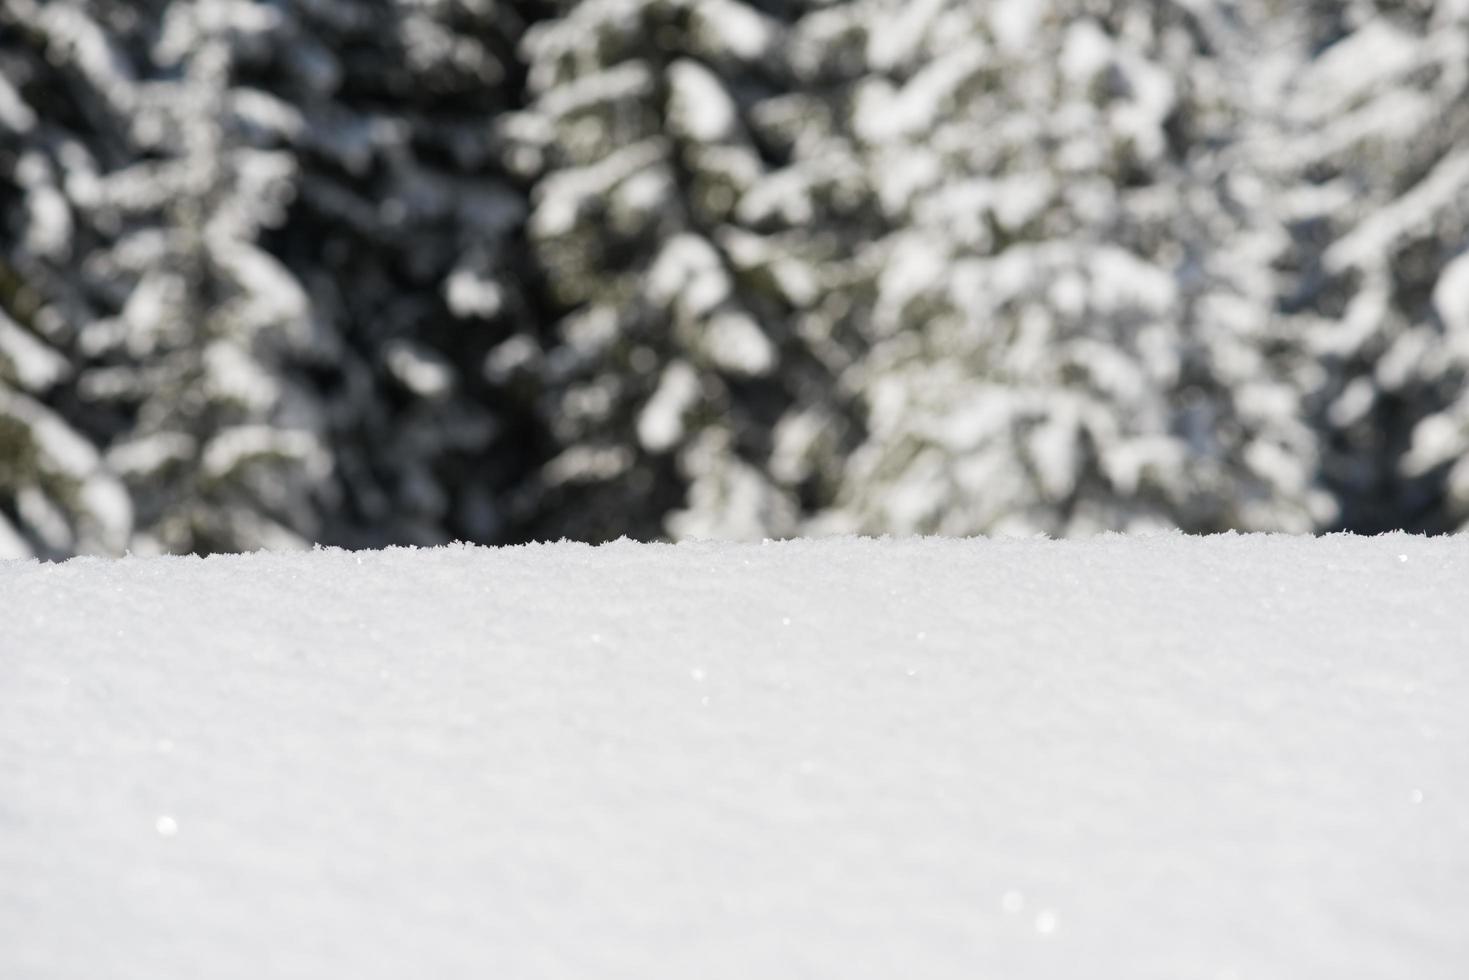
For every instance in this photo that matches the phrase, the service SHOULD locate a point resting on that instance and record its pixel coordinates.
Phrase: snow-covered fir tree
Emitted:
(290, 230)
(677, 383)
(61, 70)
(1374, 138)
(405, 233)
(1071, 323)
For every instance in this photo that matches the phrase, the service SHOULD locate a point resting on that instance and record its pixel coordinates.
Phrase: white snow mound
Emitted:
(1160, 757)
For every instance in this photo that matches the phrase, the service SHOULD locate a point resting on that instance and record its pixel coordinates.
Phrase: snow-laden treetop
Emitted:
(1128, 758)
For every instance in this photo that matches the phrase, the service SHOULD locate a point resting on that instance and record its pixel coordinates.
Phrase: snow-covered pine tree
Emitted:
(179, 329)
(406, 234)
(1375, 137)
(287, 250)
(57, 495)
(676, 383)
(1072, 322)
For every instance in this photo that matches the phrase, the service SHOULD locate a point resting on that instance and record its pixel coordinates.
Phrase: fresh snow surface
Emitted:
(1154, 757)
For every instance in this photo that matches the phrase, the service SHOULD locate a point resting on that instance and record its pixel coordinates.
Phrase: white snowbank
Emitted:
(1149, 757)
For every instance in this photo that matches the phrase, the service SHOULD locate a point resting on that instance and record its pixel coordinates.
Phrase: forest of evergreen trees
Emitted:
(363, 272)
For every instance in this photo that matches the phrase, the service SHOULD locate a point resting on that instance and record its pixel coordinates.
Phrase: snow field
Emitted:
(1232, 757)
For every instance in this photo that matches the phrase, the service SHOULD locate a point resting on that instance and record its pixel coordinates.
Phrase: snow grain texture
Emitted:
(1145, 757)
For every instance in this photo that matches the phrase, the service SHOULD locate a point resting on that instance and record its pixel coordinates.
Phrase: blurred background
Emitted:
(364, 272)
